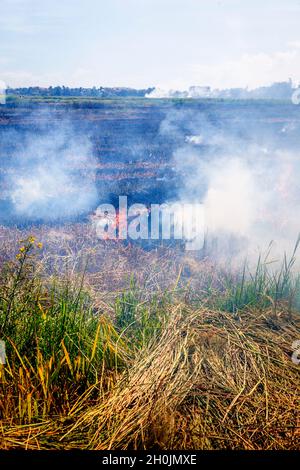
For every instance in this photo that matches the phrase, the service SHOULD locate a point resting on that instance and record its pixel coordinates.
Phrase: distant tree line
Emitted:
(94, 92)
(281, 90)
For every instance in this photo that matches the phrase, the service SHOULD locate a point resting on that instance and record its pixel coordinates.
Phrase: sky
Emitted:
(171, 44)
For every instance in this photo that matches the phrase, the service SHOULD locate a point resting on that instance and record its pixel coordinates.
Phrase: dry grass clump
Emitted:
(210, 381)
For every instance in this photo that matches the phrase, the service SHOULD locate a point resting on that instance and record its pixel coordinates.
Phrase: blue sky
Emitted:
(141, 43)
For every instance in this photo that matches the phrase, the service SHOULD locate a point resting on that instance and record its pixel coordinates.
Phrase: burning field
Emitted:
(143, 344)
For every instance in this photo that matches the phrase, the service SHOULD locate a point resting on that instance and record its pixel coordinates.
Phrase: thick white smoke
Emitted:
(192, 92)
(249, 187)
(51, 175)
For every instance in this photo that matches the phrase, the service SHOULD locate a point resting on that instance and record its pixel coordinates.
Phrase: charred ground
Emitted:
(129, 139)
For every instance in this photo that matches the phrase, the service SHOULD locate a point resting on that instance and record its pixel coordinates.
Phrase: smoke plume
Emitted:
(50, 174)
(246, 175)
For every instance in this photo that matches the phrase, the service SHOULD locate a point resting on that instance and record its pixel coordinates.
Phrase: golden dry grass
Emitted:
(189, 360)
(209, 381)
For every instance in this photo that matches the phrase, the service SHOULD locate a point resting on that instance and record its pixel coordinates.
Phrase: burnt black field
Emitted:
(133, 141)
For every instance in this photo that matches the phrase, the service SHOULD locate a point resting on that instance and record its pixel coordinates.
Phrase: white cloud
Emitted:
(251, 70)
